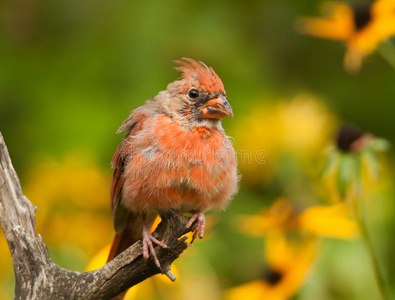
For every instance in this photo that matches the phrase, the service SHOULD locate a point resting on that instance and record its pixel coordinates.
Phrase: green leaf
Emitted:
(330, 163)
(370, 157)
(358, 170)
(345, 173)
(380, 144)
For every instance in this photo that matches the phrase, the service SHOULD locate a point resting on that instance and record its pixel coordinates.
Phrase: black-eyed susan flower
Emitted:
(321, 220)
(288, 262)
(362, 27)
(355, 151)
(291, 245)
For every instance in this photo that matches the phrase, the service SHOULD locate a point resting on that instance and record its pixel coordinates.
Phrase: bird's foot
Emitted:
(148, 240)
(199, 228)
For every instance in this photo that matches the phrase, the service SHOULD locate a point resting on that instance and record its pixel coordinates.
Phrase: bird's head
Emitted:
(198, 96)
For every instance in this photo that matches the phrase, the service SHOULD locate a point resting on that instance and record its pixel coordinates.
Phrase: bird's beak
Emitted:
(217, 108)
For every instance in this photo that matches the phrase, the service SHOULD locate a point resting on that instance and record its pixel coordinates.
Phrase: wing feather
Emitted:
(131, 125)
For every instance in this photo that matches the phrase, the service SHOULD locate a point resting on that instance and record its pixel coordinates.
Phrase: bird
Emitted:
(175, 156)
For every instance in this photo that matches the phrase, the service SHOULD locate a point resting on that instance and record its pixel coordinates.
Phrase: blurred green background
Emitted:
(71, 71)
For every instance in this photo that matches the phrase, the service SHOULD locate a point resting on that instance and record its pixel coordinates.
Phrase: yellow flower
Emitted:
(329, 221)
(277, 218)
(363, 28)
(301, 126)
(290, 246)
(288, 262)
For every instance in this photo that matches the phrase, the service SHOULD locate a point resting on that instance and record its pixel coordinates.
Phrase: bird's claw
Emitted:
(148, 240)
(199, 228)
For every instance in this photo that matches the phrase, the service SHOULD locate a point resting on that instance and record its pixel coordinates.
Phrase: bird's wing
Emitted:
(131, 125)
(128, 225)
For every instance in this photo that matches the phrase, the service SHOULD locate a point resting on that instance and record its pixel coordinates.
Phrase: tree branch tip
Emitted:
(170, 275)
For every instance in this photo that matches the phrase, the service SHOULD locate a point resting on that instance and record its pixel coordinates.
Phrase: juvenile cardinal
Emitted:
(175, 155)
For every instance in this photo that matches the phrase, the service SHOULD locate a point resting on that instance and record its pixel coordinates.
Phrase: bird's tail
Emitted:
(121, 242)
(127, 237)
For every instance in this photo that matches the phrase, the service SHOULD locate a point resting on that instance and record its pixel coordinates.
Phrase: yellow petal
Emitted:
(383, 7)
(272, 219)
(255, 290)
(337, 24)
(298, 270)
(366, 40)
(292, 258)
(256, 225)
(332, 221)
(282, 253)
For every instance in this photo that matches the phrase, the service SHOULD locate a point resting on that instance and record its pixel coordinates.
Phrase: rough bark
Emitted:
(37, 277)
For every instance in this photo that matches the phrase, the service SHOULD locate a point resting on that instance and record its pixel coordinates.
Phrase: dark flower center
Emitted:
(347, 136)
(362, 16)
(272, 276)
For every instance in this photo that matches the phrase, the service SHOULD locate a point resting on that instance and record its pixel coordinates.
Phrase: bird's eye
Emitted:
(193, 93)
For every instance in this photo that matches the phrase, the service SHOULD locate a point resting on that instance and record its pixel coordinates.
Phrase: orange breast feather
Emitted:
(172, 168)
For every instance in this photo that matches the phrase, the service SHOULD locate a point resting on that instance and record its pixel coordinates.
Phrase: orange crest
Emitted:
(193, 70)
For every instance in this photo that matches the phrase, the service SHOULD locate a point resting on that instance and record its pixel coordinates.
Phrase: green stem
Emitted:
(368, 241)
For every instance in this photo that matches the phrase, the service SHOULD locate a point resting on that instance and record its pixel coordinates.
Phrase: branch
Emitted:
(37, 277)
